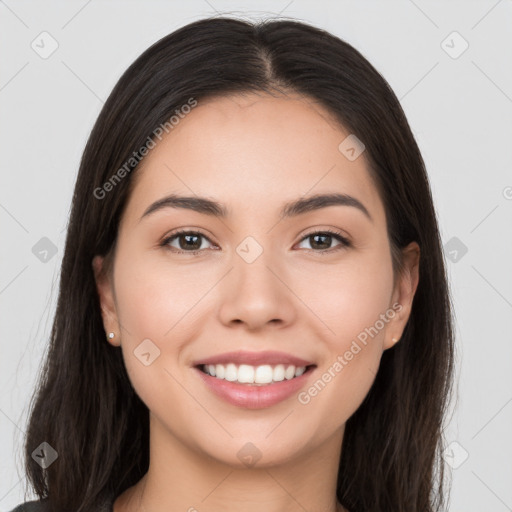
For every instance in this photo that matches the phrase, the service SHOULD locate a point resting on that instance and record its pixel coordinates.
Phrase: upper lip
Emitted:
(254, 359)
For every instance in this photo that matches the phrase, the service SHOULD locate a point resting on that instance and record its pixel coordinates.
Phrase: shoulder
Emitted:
(42, 506)
(31, 506)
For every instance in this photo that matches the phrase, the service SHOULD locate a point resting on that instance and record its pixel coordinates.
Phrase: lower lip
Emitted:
(255, 397)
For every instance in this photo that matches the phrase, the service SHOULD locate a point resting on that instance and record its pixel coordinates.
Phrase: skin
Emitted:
(252, 153)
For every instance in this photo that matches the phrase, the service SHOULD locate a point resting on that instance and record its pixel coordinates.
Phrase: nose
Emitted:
(256, 294)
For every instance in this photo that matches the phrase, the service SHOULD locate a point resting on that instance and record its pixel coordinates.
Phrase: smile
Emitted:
(254, 395)
(255, 375)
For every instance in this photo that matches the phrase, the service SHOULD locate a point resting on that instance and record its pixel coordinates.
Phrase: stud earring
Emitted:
(394, 340)
(110, 336)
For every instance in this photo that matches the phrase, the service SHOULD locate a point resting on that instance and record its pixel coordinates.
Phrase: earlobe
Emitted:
(106, 299)
(403, 295)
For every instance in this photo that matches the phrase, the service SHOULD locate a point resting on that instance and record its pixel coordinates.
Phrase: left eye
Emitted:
(325, 237)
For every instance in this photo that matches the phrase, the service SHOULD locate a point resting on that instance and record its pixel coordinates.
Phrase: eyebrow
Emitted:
(291, 209)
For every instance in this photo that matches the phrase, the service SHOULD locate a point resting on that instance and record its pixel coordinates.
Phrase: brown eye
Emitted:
(187, 241)
(321, 241)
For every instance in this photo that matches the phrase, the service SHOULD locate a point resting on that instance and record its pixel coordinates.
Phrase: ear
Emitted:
(105, 290)
(403, 294)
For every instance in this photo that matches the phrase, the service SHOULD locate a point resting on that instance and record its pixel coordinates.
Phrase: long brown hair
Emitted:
(85, 406)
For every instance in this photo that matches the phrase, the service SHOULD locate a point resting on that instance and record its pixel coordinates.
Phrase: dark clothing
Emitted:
(31, 506)
(40, 506)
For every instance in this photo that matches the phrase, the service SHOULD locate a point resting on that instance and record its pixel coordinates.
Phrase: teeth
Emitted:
(290, 372)
(300, 371)
(246, 374)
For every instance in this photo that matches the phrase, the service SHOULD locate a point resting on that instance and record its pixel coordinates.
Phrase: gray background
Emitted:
(459, 106)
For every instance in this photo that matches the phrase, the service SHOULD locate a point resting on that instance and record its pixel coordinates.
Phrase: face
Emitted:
(315, 284)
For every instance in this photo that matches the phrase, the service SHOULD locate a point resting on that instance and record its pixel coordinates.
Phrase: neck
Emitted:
(183, 479)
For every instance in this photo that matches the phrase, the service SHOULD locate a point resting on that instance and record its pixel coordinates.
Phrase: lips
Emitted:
(249, 396)
(254, 359)
(254, 395)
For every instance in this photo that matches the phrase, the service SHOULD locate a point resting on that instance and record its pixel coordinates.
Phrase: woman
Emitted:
(253, 303)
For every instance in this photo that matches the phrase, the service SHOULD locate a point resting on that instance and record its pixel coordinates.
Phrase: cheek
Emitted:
(159, 302)
(338, 390)
(155, 298)
(152, 305)
(352, 300)
(349, 297)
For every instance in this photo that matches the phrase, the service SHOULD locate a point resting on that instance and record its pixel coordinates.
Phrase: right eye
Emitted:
(188, 241)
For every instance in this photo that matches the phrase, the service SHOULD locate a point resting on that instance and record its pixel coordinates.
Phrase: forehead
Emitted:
(253, 150)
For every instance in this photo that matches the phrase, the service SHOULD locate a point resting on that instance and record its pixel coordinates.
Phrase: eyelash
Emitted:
(345, 243)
